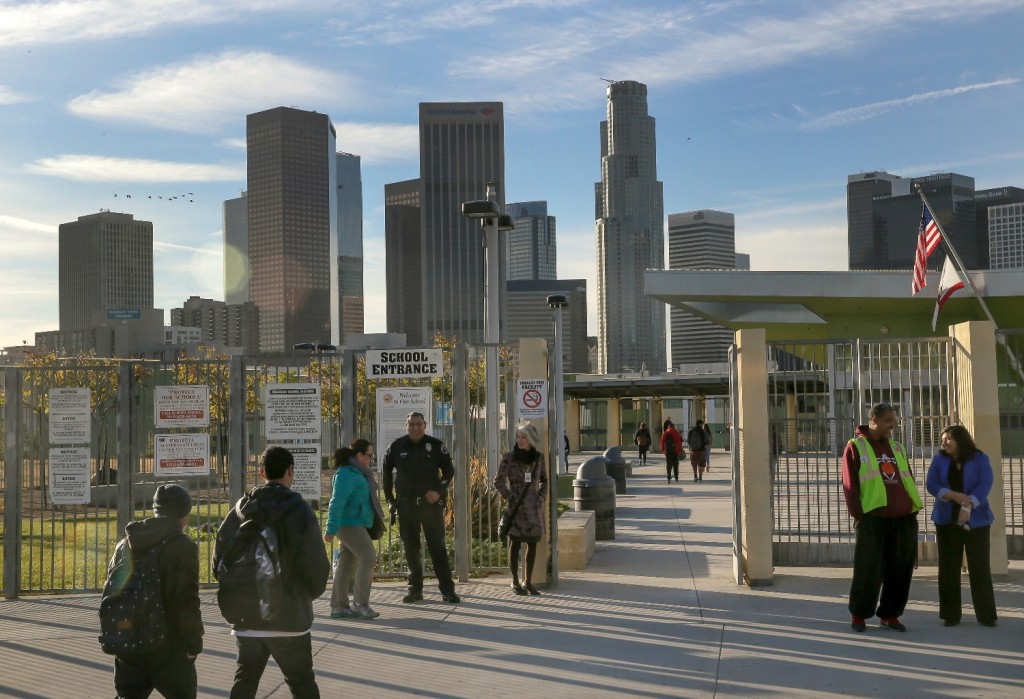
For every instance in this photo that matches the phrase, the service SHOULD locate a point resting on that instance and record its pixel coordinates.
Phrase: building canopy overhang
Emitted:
(837, 304)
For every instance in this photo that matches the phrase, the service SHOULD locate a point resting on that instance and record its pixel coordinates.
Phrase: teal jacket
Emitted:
(350, 504)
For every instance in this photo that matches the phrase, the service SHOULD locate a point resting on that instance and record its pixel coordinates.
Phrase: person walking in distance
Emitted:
(697, 440)
(642, 439)
(709, 438)
(282, 632)
(170, 668)
(882, 498)
(672, 447)
(417, 472)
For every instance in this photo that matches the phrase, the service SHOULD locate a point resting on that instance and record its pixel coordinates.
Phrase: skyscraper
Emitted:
(630, 235)
(530, 249)
(998, 245)
(527, 314)
(404, 278)
(350, 245)
(292, 210)
(700, 240)
(105, 266)
(461, 150)
(896, 214)
(236, 249)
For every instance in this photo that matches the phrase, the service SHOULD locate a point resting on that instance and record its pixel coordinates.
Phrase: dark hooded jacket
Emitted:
(179, 577)
(304, 562)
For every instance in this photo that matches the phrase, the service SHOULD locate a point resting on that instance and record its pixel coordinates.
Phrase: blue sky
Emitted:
(763, 109)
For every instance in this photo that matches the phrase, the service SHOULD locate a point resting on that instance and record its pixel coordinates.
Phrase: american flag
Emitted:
(928, 238)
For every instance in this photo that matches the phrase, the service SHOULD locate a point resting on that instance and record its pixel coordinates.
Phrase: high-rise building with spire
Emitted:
(630, 236)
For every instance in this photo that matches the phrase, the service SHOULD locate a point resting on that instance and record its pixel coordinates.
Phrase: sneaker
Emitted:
(858, 625)
(412, 597)
(892, 624)
(342, 613)
(364, 611)
(451, 598)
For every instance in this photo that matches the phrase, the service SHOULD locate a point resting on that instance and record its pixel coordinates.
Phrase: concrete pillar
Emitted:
(755, 456)
(614, 426)
(533, 364)
(977, 406)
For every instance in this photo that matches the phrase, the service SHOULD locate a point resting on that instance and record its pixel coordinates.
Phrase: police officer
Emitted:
(417, 470)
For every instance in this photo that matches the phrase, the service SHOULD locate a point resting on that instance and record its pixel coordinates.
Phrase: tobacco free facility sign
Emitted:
(532, 399)
(404, 363)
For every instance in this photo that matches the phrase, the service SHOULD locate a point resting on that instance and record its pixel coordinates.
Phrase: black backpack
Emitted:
(250, 576)
(132, 614)
(697, 439)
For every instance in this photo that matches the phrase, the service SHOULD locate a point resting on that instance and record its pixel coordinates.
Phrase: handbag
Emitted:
(378, 528)
(508, 516)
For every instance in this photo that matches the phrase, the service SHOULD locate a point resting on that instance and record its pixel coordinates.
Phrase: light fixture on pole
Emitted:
(488, 212)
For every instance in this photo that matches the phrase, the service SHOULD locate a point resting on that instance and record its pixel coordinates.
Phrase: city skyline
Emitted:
(762, 111)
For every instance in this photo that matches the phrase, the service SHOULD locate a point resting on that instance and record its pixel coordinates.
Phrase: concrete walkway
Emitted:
(656, 614)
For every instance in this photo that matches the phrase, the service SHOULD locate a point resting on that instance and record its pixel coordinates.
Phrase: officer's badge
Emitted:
(444, 449)
(428, 447)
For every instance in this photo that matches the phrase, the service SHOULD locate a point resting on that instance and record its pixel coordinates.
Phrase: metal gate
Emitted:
(818, 393)
(1009, 360)
(48, 547)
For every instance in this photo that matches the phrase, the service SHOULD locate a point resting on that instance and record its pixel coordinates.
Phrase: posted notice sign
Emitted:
(69, 476)
(182, 454)
(404, 364)
(70, 415)
(182, 406)
(292, 411)
(307, 470)
(532, 398)
(393, 407)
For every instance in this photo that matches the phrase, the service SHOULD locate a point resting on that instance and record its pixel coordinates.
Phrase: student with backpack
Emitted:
(149, 614)
(672, 447)
(698, 441)
(271, 563)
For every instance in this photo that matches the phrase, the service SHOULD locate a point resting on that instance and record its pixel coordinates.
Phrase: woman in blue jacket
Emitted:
(353, 501)
(960, 478)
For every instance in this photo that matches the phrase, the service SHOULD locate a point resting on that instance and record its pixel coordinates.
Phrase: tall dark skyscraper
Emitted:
(403, 273)
(630, 235)
(461, 150)
(105, 265)
(292, 210)
(350, 245)
(236, 250)
(895, 216)
(530, 250)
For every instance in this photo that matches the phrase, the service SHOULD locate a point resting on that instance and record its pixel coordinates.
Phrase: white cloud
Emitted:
(875, 109)
(207, 92)
(9, 96)
(26, 225)
(234, 143)
(376, 142)
(97, 168)
(68, 21)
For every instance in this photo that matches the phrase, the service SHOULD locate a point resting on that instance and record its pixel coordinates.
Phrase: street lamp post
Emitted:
(489, 214)
(558, 302)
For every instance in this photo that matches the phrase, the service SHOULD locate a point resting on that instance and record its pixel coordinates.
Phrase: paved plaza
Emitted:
(656, 614)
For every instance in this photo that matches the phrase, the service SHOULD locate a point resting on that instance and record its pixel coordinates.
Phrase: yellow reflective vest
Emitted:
(872, 488)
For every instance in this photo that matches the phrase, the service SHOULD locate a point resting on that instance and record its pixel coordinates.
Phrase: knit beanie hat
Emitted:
(171, 500)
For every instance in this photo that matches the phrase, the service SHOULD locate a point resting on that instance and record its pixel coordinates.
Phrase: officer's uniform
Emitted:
(412, 469)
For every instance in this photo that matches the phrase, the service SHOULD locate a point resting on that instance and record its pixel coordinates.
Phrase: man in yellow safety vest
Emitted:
(882, 498)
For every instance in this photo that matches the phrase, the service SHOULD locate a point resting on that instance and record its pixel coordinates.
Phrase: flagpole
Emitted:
(970, 284)
(956, 258)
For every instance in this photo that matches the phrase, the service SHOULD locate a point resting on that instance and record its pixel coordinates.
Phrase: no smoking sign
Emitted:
(532, 399)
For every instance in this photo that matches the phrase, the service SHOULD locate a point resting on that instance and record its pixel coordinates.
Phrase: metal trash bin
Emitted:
(616, 468)
(594, 490)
